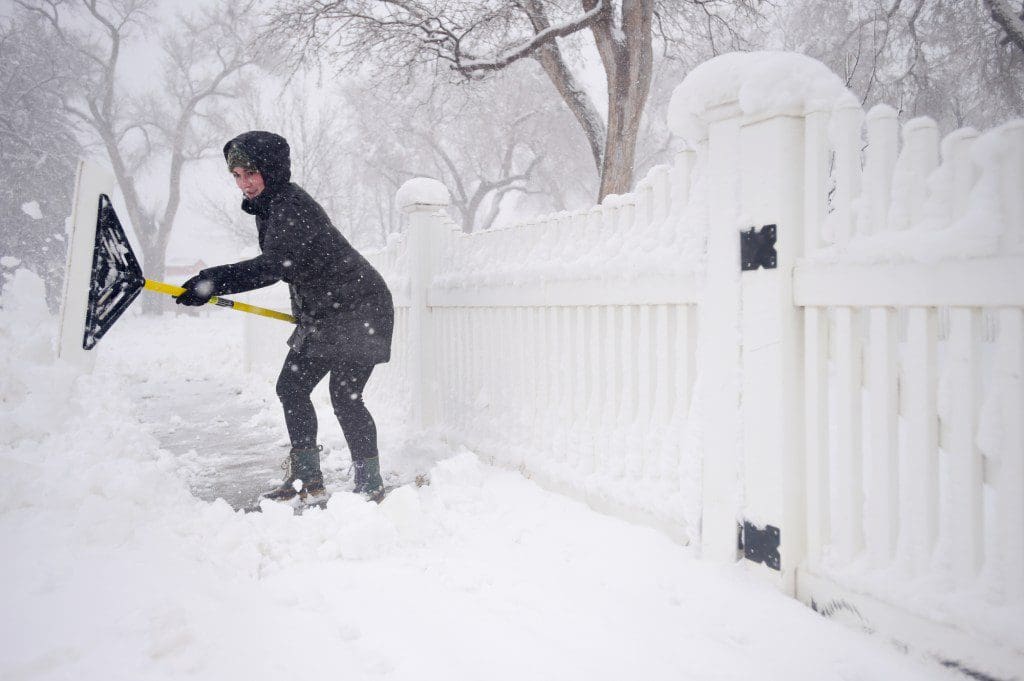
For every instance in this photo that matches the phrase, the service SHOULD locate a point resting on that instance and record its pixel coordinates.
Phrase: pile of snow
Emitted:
(113, 570)
(759, 82)
(32, 210)
(26, 333)
(588, 246)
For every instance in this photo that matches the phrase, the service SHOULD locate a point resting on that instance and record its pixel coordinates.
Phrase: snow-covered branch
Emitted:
(1011, 23)
(529, 46)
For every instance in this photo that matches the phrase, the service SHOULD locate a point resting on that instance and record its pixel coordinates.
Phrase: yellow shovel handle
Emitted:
(172, 290)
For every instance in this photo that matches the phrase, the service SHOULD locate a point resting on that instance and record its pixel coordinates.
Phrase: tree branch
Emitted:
(528, 47)
(1011, 24)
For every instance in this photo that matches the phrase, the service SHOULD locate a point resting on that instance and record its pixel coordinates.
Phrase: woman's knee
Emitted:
(349, 406)
(289, 384)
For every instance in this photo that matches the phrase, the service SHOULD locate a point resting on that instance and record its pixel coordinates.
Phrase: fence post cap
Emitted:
(882, 112)
(753, 84)
(422, 194)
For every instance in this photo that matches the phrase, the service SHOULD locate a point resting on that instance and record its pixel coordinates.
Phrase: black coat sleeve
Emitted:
(246, 275)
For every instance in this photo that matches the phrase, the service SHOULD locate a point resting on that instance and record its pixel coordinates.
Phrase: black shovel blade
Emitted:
(116, 275)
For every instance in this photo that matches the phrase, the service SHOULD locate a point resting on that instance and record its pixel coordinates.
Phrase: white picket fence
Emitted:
(864, 397)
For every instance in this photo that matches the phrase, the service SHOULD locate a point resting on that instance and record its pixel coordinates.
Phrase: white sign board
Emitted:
(90, 182)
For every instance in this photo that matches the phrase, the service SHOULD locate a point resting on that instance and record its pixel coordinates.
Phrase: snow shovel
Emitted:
(117, 280)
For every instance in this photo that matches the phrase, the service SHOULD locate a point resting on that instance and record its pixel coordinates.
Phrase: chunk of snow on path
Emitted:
(32, 210)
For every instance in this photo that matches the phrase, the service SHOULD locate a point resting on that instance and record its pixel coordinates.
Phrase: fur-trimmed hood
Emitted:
(268, 152)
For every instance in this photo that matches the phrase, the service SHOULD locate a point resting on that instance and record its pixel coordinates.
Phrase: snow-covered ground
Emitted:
(119, 564)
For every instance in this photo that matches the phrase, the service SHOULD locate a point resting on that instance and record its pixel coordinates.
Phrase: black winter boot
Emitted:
(368, 481)
(302, 465)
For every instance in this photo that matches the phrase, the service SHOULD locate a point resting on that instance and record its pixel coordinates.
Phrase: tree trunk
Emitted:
(575, 96)
(154, 253)
(627, 54)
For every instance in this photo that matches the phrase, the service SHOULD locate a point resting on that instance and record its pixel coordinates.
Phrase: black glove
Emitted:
(198, 291)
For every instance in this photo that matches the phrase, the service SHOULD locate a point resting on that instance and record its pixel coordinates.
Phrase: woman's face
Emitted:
(249, 181)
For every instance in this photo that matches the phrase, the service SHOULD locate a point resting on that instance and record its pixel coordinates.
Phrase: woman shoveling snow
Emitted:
(343, 309)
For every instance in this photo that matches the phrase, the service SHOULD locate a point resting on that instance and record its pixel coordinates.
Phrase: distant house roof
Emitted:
(180, 269)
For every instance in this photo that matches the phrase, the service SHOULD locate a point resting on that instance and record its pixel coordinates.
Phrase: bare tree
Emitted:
(202, 59)
(489, 144)
(949, 59)
(476, 39)
(38, 151)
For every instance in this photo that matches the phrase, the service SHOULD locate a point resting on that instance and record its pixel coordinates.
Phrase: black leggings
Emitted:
(299, 375)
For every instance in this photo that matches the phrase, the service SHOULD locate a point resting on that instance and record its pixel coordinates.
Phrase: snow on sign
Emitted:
(116, 275)
(116, 280)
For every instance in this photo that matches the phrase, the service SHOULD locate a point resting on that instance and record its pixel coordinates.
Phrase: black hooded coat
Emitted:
(342, 305)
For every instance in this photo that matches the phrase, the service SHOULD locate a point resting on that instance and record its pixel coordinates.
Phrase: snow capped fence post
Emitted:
(746, 114)
(422, 199)
(90, 182)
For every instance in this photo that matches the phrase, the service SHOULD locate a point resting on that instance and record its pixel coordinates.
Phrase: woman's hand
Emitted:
(198, 291)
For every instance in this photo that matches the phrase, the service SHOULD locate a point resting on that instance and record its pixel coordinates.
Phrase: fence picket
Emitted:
(633, 452)
(1009, 483)
(661, 399)
(463, 360)
(566, 367)
(686, 340)
(577, 383)
(595, 382)
(919, 479)
(645, 364)
(496, 385)
(554, 368)
(965, 535)
(848, 527)
(882, 512)
(683, 359)
(614, 464)
(816, 432)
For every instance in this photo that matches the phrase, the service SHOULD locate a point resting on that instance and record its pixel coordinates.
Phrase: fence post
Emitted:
(771, 346)
(717, 391)
(422, 199)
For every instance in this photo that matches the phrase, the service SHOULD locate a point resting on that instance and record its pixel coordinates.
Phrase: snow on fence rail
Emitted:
(851, 405)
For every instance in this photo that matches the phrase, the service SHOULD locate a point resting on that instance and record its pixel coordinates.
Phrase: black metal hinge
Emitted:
(757, 248)
(759, 545)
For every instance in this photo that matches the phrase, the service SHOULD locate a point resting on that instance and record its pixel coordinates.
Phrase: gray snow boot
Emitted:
(302, 477)
(368, 481)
